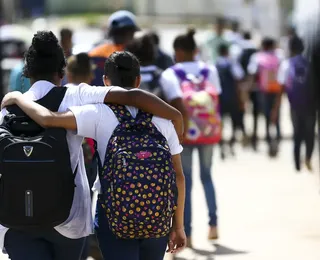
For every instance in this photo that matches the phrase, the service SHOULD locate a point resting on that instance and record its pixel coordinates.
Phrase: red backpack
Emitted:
(202, 102)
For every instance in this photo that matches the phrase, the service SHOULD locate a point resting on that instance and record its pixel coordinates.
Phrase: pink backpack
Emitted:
(268, 71)
(202, 102)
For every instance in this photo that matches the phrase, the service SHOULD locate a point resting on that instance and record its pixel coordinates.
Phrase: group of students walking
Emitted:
(257, 78)
(134, 128)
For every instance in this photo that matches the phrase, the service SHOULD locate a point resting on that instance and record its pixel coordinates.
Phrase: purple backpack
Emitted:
(138, 180)
(297, 83)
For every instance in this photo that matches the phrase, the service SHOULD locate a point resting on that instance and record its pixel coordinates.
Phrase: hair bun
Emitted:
(191, 32)
(45, 43)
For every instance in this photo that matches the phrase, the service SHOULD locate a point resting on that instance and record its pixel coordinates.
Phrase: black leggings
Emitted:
(254, 98)
(232, 110)
(304, 131)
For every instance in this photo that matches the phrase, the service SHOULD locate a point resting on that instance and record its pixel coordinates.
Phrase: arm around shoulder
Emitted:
(144, 101)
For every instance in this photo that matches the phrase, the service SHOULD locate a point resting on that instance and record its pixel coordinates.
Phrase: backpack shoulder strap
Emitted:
(121, 112)
(52, 101)
(180, 73)
(144, 116)
(204, 72)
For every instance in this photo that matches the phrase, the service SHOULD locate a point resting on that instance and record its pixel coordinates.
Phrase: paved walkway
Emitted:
(266, 210)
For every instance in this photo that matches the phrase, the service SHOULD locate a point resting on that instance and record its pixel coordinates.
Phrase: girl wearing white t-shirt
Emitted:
(185, 51)
(98, 122)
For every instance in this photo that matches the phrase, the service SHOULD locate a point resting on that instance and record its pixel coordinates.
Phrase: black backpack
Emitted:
(245, 58)
(228, 83)
(36, 179)
(154, 85)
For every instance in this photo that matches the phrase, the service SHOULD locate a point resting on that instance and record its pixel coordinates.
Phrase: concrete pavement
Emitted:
(266, 210)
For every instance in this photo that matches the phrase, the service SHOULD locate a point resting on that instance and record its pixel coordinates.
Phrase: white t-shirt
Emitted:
(171, 83)
(283, 72)
(98, 122)
(79, 224)
(254, 61)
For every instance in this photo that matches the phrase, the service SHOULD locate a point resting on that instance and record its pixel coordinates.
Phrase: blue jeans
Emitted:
(44, 245)
(113, 248)
(205, 157)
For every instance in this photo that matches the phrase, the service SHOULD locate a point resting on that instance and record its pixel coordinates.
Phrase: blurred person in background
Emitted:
(80, 70)
(66, 35)
(17, 81)
(217, 38)
(235, 35)
(66, 43)
(311, 26)
(264, 66)
(235, 38)
(143, 47)
(152, 77)
(183, 80)
(121, 28)
(230, 74)
(284, 41)
(250, 88)
(293, 77)
(163, 60)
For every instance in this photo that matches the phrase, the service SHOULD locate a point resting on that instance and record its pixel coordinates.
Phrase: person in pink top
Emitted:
(264, 66)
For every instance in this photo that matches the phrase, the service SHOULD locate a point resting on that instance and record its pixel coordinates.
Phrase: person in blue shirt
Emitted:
(18, 82)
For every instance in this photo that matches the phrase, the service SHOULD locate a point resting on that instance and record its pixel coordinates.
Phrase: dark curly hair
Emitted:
(45, 57)
(122, 68)
(296, 45)
(144, 48)
(186, 42)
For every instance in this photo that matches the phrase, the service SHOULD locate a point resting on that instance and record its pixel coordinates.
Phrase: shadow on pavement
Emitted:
(198, 254)
(222, 250)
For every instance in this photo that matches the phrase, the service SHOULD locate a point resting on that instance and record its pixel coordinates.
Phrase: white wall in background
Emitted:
(265, 12)
(268, 16)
